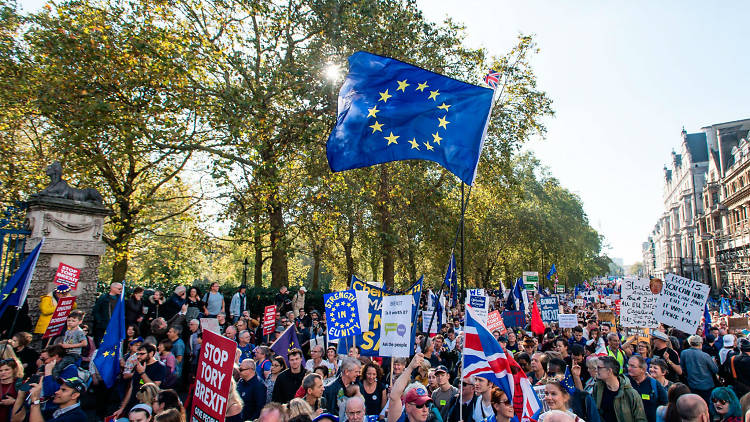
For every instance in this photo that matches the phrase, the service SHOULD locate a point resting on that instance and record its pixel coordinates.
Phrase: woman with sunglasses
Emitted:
(502, 406)
(725, 405)
(277, 365)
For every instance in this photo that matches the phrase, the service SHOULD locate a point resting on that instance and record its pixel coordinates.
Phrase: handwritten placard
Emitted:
(637, 303)
(567, 320)
(681, 303)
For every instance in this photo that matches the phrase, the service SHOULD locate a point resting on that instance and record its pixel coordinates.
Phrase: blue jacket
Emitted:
(253, 393)
(699, 369)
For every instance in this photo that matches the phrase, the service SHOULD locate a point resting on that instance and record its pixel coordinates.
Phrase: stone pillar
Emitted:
(73, 235)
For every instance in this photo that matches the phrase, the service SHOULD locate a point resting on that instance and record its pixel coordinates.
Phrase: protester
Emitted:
(557, 397)
(699, 368)
(168, 399)
(372, 388)
(669, 413)
(10, 372)
(196, 305)
(140, 413)
(25, 354)
(251, 389)
(66, 398)
(350, 369)
(312, 386)
(147, 370)
(658, 371)
(289, 380)
(234, 404)
(278, 365)
(103, 308)
(169, 415)
(134, 307)
(415, 397)
(725, 405)
(238, 305)
(652, 392)
(445, 392)
(692, 408)
(663, 350)
(616, 400)
(47, 306)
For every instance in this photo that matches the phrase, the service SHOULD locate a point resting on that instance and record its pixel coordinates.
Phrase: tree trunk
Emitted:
(120, 267)
(279, 265)
(316, 271)
(348, 246)
(258, 266)
(386, 236)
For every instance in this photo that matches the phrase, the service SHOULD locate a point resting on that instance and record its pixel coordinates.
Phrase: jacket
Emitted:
(133, 310)
(298, 302)
(235, 304)
(46, 308)
(627, 403)
(102, 312)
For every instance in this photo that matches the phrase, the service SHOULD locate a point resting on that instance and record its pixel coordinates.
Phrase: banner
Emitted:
(212, 381)
(513, 319)
(549, 307)
(495, 322)
(580, 303)
(480, 303)
(67, 275)
(269, 319)
(567, 320)
(637, 304)
(59, 317)
(681, 303)
(369, 340)
(342, 314)
(395, 327)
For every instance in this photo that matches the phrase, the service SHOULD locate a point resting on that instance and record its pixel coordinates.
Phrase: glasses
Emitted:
(465, 384)
(506, 402)
(244, 369)
(719, 401)
(601, 368)
(419, 406)
(140, 353)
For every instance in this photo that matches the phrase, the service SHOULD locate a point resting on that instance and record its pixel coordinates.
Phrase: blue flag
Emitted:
(706, 320)
(552, 271)
(287, 342)
(518, 293)
(451, 280)
(390, 111)
(510, 302)
(342, 315)
(14, 292)
(107, 360)
(567, 382)
(726, 307)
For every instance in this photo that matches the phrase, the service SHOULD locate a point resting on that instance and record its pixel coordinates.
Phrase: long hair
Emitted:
(727, 394)
(675, 391)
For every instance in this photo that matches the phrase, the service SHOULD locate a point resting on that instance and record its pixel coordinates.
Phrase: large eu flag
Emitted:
(390, 111)
(107, 360)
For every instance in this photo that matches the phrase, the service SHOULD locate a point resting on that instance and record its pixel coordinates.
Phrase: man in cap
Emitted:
(727, 349)
(66, 398)
(415, 407)
(662, 350)
(699, 368)
(445, 392)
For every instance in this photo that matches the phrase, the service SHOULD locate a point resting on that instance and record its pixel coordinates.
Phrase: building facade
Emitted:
(703, 233)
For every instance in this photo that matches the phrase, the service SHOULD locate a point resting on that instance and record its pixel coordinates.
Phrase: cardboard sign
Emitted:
(67, 275)
(541, 393)
(513, 319)
(210, 324)
(395, 327)
(480, 303)
(580, 303)
(549, 307)
(638, 303)
(213, 378)
(567, 320)
(681, 303)
(495, 322)
(59, 317)
(642, 334)
(738, 323)
(269, 319)
(606, 316)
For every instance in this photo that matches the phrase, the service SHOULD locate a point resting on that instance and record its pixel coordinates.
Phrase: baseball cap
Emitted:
(441, 368)
(74, 383)
(303, 288)
(728, 340)
(417, 396)
(62, 288)
(659, 335)
(326, 416)
(136, 340)
(745, 345)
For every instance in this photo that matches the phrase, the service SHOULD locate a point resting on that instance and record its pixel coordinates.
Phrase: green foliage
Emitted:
(131, 94)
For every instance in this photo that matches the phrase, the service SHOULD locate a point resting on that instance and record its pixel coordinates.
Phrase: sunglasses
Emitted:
(719, 401)
(420, 406)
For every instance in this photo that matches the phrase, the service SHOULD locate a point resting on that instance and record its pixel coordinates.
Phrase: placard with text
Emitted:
(60, 316)
(213, 378)
(681, 302)
(269, 319)
(67, 275)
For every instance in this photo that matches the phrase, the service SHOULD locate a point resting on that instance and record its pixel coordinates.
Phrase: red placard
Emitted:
(213, 378)
(269, 319)
(67, 275)
(495, 322)
(60, 316)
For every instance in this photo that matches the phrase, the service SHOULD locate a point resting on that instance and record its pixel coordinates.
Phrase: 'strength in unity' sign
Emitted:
(342, 315)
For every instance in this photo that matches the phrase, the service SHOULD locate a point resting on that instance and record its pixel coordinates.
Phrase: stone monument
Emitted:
(71, 221)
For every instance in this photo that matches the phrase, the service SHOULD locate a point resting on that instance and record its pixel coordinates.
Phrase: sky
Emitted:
(625, 77)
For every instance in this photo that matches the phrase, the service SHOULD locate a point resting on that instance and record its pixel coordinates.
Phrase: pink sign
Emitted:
(495, 322)
(213, 378)
(59, 317)
(67, 275)
(269, 319)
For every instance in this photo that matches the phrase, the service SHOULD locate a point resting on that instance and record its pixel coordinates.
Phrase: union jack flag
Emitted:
(484, 357)
(492, 78)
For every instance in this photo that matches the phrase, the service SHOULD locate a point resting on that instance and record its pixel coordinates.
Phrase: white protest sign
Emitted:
(567, 320)
(637, 304)
(210, 324)
(395, 332)
(681, 303)
(580, 302)
(363, 307)
(480, 303)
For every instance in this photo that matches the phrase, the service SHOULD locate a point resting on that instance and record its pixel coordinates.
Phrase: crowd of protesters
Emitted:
(592, 372)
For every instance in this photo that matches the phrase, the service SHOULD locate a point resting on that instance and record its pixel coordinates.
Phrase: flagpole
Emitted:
(463, 212)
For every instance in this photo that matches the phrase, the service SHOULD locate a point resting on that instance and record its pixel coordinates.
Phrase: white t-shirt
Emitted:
(482, 412)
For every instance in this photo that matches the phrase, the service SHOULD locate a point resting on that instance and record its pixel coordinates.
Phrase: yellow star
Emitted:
(402, 85)
(371, 112)
(443, 122)
(392, 139)
(376, 127)
(436, 138)
(433, 95)
(429, 147)
(444, 106)
(384, 96)
(422, 86)
(414, 143)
